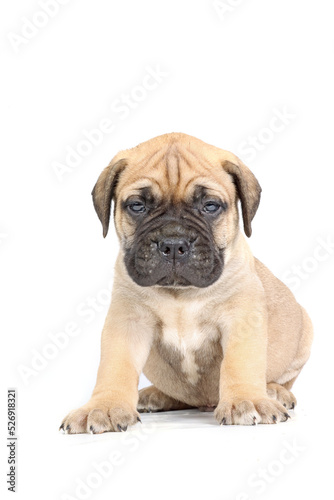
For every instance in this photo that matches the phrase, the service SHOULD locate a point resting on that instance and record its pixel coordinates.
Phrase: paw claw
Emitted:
(122, 428)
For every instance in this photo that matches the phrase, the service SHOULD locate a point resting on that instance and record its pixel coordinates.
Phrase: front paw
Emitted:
(100, 416)
(250, 412)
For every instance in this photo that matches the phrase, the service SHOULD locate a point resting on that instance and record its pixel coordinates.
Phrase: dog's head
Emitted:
(175, 208)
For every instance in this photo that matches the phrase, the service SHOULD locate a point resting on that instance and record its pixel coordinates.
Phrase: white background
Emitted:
(225, 77)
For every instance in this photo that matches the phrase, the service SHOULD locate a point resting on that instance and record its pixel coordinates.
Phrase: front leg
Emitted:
(125, 344)
(242, 388)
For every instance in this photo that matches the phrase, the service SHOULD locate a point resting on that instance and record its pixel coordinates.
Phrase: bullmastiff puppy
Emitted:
(209, 325)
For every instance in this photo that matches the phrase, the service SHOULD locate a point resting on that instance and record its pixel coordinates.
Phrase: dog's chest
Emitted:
(188, 339)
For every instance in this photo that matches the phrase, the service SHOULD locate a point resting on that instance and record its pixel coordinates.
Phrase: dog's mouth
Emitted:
(173, 280)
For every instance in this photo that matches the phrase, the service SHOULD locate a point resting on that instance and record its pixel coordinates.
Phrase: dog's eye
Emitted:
(137, 207)
(211, 207)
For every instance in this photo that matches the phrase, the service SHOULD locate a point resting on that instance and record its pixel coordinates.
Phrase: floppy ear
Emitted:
(104, 191)
(248, 189)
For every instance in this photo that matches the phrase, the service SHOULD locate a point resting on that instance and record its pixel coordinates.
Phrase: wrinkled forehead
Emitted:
(174, 174)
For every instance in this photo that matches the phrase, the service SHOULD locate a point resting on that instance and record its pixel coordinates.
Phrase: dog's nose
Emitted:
(174, 248)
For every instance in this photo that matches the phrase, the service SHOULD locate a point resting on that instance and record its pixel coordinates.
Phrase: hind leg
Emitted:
(282, 394)
(280, 389)
(151, 399)
(289, 384)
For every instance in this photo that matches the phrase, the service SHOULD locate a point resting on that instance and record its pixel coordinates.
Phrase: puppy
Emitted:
(209, 325)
